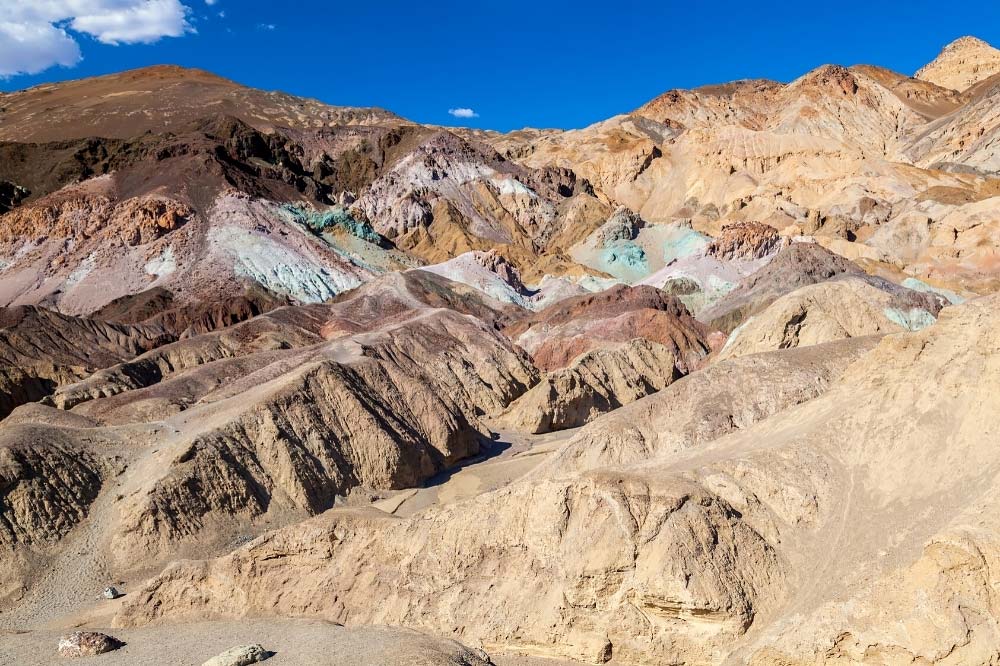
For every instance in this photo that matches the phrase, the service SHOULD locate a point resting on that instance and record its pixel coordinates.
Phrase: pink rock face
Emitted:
(87, 644)
(716, 340)
(497, 263)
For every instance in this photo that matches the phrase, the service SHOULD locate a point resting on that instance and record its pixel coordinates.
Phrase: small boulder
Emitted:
(111, 593)
(87, 644)
(241, 655)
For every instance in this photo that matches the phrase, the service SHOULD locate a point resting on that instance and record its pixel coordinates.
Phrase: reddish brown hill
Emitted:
(158, 99)
(562, 332)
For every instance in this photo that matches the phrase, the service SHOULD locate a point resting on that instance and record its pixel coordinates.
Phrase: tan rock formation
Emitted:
(596, 383)
(87, 644)
(745, 240)
(834, 310)
(962, 64)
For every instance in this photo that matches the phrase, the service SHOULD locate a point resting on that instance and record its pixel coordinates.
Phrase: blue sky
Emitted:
(514, 64)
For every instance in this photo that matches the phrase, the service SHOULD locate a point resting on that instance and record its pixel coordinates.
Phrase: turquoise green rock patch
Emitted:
(626, 261)
(683, 243)
(330, 220)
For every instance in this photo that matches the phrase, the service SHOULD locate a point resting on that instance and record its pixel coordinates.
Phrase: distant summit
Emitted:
(962, 64)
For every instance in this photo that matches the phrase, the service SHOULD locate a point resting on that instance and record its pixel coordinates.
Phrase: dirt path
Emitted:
(296, 642)
(507, 459)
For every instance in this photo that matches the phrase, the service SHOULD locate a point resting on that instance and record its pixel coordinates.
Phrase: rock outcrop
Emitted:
(557, 335)
(597, 382)
(241, 655)
(962, 64)
(745, 240)
(834, 310)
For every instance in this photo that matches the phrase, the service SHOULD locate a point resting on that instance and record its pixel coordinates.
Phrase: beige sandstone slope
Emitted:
(964, 140)
(962, 64)
(847, 307)
(900, 569)
(595, 383)
(727, 396)
(855, 526)
(924, 97)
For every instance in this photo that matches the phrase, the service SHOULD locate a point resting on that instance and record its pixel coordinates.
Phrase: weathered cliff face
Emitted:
(384, 411)
(591, 607)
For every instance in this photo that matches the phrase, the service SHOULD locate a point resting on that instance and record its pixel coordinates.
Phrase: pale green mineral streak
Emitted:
(920, 285)
(913, 319)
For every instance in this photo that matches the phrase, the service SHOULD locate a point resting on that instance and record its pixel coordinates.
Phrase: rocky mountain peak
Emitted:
(962, 64)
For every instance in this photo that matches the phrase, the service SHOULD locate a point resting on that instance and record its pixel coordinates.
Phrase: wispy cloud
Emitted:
(37, 35)
(29, 48)
(266, 26)
(463, 112)
(138, 22)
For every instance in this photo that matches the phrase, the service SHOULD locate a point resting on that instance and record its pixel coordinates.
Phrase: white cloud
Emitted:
(463, 113)
(266, 26)
(134, 22)
(31, 48)
(210, 2)
(38, 34)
